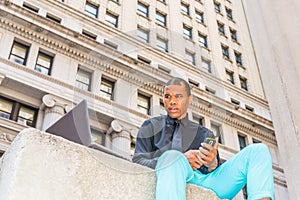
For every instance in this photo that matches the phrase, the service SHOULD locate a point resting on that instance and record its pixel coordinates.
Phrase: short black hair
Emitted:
(179, 81)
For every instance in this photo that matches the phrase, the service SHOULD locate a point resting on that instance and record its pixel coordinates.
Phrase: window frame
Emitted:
(189, 54)
(185, 8)
(87, 72)
(160, 40)
(202, 39)
(199, 16)
(207, 63)
(187, 32)
(23, 47)
(112, 19)
(15, 112)
(161, 19)
(145, 32)
(46, 55)
(244, 83)
(107, 82)
(91, 6)
(225, 52)
(144, 11)
(142, 108)
(230, 77)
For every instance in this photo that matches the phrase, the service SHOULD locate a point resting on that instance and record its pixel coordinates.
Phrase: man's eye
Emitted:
(167, 96)
(178, 96)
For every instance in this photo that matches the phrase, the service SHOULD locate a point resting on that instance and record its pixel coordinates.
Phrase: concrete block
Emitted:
(39, 165)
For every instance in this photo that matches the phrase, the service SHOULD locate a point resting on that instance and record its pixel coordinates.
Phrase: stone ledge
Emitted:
(39, 165)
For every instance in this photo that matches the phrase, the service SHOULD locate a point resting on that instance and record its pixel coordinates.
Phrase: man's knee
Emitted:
(169, 158)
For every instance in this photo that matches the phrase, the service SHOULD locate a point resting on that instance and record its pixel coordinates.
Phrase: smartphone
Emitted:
(210, 141)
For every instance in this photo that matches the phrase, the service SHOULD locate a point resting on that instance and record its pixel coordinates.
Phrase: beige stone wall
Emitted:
(42, 166)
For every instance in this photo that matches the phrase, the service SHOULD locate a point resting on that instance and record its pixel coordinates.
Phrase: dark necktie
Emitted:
(177, 137)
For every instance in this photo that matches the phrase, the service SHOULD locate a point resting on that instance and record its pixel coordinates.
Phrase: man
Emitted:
(174, 146)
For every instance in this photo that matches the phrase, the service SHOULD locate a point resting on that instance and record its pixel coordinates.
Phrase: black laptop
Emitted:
(75, 126)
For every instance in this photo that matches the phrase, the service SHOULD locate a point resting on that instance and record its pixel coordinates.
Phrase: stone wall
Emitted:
(42, 166)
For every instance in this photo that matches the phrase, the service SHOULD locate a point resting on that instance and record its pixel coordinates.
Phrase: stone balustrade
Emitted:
(39, 165)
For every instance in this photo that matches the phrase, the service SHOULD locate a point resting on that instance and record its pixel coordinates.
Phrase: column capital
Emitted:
(51, 101)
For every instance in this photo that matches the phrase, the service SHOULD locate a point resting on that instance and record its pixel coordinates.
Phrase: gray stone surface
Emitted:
(42, 166)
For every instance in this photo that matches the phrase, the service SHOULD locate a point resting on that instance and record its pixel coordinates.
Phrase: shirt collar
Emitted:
(183, 121)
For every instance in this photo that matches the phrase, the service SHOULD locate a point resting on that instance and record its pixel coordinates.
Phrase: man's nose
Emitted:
(173, 100)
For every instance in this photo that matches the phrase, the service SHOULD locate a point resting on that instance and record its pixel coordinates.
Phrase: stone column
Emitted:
(274, 26)
(121, 138)
(54, 109)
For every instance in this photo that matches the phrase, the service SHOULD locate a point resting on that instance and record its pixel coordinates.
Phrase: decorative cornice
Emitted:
(223, 116)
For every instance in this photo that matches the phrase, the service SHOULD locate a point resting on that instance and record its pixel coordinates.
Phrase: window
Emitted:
(18, 112)
(110, 44)
(225, 52)
(98, 136)
(162, 44)
(199, 16)
(89, 34)
(19, 53)
(244, 84)
(44, 63)
(144, 59)
(143, 9)
(162, 108)
(235, 102)
(53, 18)
(161, 19)
(187, 32)
(229, 13)
(193, 83)
(238, 58)
(255, 141)
(242, 141)
(30, 7)
(143, 35)
(221, 28)
(116, 1)
(6, 107)
(190, 57)
(210, 90)
(217, 129)
(112, 19)
(91, 9)
(249, 108)
(202, 40)
(143, 104)
(205, 65)
(198, 119)
(217, 7)
(233, 35)
(107, 88)
(164, 69)
(185, 9)
(83, 79)
(230, 77)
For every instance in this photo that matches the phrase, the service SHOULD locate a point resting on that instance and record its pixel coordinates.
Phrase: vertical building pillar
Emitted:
(275, 36)
(54, 109)
(121, 139)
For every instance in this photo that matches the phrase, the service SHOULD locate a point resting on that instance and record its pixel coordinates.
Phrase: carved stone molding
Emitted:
(6, 137)
(227, 118)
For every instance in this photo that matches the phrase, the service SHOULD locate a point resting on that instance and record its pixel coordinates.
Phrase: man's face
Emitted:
(176, 101)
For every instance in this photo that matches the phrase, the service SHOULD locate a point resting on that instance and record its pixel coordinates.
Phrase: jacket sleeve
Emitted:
(144, 148)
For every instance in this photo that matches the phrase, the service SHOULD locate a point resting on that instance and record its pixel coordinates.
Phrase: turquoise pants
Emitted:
(251, 166)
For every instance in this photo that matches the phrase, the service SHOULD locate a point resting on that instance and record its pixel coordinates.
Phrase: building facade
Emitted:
(117, 54)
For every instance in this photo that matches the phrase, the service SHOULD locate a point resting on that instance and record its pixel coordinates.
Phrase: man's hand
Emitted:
(208, 155)
(193, 158)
